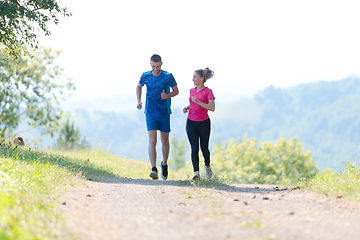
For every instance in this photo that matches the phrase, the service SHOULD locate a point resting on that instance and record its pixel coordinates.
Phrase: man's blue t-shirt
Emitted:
(155, 105)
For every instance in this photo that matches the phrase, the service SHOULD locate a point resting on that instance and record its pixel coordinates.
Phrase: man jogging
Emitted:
(157, 109)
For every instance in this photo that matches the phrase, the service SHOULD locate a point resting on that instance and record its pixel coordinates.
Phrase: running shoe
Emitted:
(164, 171)
(196, 175)
(209, 173)
(154, 173)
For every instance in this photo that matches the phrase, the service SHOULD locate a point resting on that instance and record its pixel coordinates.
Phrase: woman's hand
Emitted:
(186, 109)
(194, 99)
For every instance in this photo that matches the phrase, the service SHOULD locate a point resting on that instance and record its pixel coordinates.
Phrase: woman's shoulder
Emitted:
(207, 89)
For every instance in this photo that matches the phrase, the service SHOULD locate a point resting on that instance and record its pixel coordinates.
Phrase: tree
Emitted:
(31, 90)
(70, 138)
(20, 20)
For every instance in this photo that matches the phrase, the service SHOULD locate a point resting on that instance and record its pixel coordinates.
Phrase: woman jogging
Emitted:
(198, 122)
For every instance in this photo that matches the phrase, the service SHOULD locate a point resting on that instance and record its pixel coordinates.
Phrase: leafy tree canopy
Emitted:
(21, 19)
(31, 90)
(70, 138)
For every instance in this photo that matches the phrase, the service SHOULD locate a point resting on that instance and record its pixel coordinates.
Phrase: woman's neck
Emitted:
(200, 87)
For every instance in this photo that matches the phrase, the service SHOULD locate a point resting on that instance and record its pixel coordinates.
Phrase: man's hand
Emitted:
(163, 95)
(139, 106)
(186, 109)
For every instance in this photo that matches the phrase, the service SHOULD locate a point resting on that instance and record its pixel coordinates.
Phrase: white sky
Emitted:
(249, 44)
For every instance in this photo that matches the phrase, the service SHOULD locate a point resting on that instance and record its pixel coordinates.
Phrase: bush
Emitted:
(247, 161)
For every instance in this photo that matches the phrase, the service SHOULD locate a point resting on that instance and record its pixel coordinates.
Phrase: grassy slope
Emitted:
(29, 182)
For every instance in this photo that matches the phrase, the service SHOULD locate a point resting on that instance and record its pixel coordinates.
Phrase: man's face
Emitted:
(156, 67)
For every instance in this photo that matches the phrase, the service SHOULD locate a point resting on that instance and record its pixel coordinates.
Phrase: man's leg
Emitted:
(152, 147)
(165, 146)
(165, 153)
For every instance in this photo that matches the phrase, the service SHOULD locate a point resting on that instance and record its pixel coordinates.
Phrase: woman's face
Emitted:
(197, 79)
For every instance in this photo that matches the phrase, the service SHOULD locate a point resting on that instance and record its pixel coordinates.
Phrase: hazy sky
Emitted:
(249, 44)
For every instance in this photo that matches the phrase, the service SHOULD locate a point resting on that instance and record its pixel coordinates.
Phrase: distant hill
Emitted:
(325, 116)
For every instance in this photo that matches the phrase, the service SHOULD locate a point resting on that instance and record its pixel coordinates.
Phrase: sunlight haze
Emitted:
(249, 44)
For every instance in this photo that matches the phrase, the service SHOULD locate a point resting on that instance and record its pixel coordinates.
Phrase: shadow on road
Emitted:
(244, 188)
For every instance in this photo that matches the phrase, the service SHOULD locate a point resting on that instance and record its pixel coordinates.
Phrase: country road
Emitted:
(132, 209)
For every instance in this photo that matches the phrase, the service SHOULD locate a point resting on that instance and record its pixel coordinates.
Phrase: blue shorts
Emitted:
(158, 123)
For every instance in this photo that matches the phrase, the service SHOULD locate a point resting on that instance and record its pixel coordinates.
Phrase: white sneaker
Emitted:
(154, 173)
(208, 172)
(196, 175)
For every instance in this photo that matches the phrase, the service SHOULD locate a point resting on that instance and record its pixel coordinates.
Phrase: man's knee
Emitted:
(152, 141)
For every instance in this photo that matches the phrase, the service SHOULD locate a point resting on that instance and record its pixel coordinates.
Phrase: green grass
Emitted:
(27, 198)
(99, 163)
(31, 180)
(345, 184)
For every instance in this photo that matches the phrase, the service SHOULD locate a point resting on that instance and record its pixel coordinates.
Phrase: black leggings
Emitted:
(199, 131)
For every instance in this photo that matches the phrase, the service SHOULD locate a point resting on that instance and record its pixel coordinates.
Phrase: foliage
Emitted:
(31, 90)
(247, 161)
(345, 184)
(21, 20)
(177, 153)
(70, 138)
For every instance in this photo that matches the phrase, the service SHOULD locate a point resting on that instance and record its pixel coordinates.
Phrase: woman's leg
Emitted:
(204, 131)
(193, 136)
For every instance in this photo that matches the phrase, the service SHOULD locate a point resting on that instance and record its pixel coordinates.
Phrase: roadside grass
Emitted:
(27, 198)
(120, 167)
(345, 184)
(105, 164)
(30, 182)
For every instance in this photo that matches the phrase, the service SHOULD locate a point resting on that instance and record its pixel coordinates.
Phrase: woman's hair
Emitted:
(205, 73)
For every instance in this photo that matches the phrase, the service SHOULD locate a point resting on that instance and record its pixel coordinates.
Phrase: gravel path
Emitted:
(132, 209)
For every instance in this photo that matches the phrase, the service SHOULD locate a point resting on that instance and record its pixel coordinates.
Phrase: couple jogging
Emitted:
(161, 86)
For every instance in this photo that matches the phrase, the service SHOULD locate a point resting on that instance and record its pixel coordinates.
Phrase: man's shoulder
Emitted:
(167, 75)
(148, 73)
(165, 72)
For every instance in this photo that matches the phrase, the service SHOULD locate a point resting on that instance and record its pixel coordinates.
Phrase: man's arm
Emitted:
(173, 93)
(138, 95)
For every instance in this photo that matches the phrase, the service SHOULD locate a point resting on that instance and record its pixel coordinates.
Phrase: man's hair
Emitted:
(155, 58)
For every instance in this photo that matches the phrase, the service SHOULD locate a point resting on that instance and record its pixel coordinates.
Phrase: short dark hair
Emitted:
(155, 58)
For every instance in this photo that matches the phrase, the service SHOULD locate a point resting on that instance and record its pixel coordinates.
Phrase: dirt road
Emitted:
(132, 209)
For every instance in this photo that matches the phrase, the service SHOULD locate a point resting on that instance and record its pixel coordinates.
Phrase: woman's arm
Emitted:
(209, 106)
